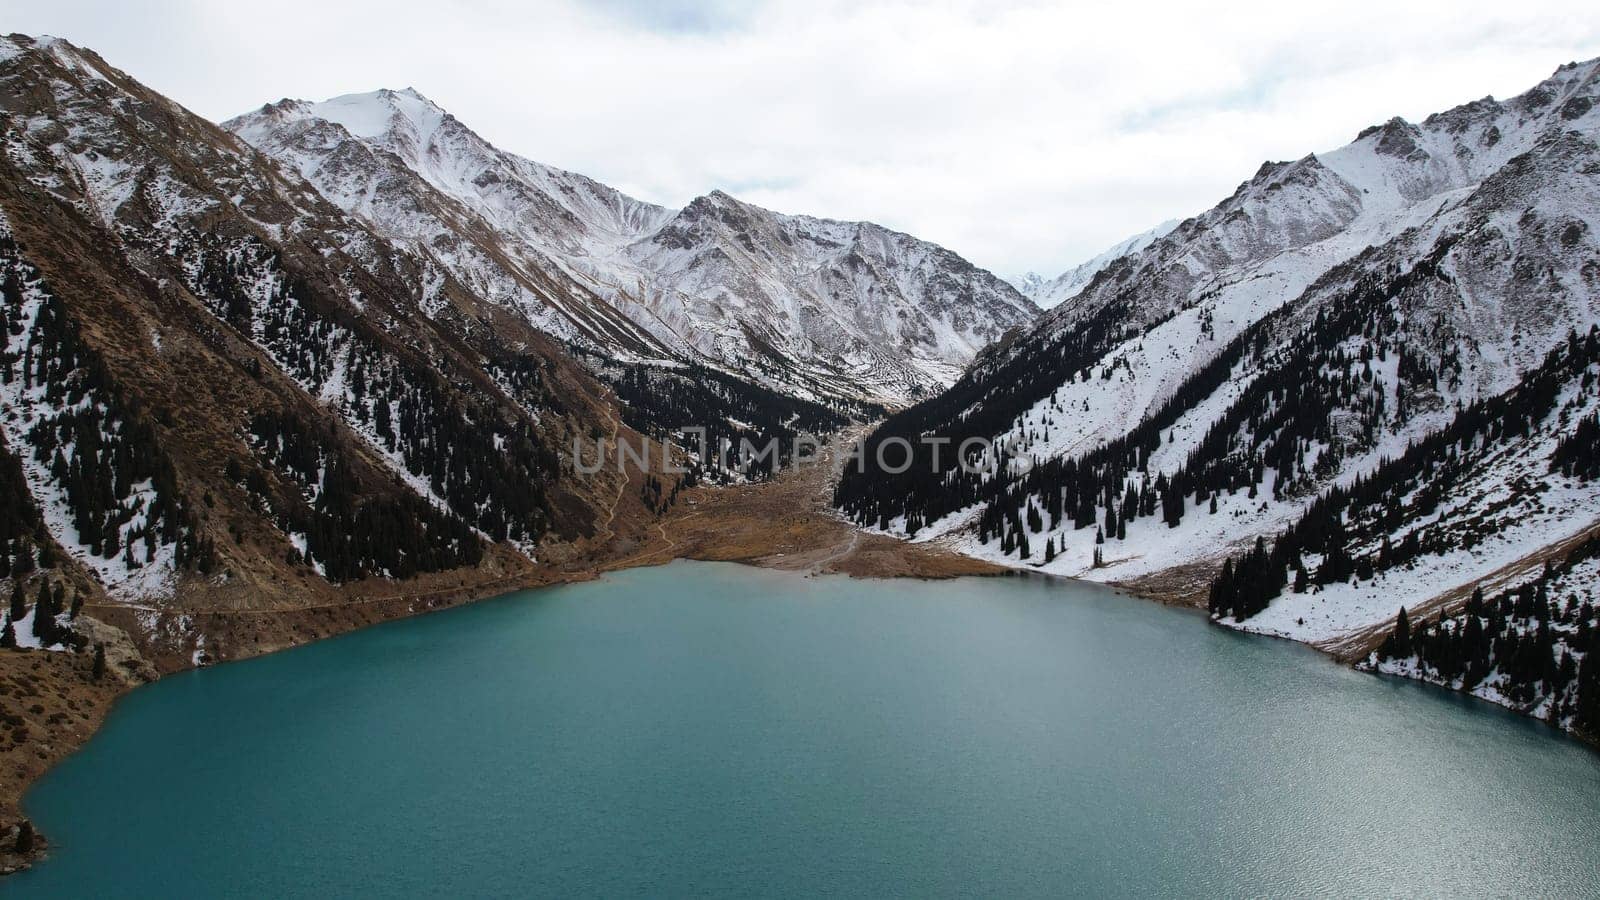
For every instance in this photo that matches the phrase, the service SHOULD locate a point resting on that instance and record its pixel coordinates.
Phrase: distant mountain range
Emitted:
(1053, 292)
(808, 306)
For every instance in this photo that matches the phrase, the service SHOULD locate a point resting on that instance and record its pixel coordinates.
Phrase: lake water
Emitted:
(708, 728)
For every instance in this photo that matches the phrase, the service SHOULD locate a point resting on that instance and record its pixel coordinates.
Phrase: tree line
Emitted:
(1536, 644)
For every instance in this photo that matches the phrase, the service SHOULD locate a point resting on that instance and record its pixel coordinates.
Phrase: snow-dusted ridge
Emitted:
(1049, 293)
(809, 306)
(1481, 227)
(221, 389)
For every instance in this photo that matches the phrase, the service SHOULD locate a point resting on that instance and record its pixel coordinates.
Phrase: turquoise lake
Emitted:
(715, 729)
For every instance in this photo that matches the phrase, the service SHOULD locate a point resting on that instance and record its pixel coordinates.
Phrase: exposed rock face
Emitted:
(808, 306)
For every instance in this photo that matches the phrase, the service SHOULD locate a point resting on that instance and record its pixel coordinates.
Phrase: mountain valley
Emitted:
(327, 364)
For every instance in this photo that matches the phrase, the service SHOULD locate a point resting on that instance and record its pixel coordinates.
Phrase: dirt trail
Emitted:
(1358, 644)
(672, 544)
(822, 565)
(611, 511)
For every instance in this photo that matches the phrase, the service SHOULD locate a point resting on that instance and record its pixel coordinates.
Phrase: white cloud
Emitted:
(1022, 135)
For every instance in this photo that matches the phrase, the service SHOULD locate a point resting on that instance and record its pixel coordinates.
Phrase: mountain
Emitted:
(812, 307)
(1377, 348)
(1052, 292)
(511, 228)
(223, 392)
(335, 352)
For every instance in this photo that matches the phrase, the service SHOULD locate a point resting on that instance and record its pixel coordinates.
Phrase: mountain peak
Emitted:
(373, 113)
(718, 204)
(717, 197)
(17, 42)
(402, 97)
(61, 50)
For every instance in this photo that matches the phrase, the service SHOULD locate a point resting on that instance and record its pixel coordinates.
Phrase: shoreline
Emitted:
(782, 525)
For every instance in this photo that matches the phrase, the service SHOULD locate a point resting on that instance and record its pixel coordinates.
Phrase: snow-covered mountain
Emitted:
(811, 306)
(1052, 292)
(1274, 358)
(1366, 379)
(220, 390)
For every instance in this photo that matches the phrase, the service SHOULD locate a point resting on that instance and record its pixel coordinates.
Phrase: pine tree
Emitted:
(1401, 646)
(8, 635)
(1587, 715)
(19, 605)
(99, 662)
(44, 618)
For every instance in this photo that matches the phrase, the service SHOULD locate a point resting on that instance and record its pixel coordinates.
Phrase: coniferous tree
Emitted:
(1587, 712)
(21, 558)
(44, 616)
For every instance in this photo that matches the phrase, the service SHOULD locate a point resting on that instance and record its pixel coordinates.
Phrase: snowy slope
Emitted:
(807, 305)
(1474, 236)
(218, 385)
(891, 315)
(1528, 642)
(400, 164)
(30, 405)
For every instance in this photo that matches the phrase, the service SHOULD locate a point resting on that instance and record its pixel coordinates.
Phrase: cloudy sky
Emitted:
(1024, 135)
